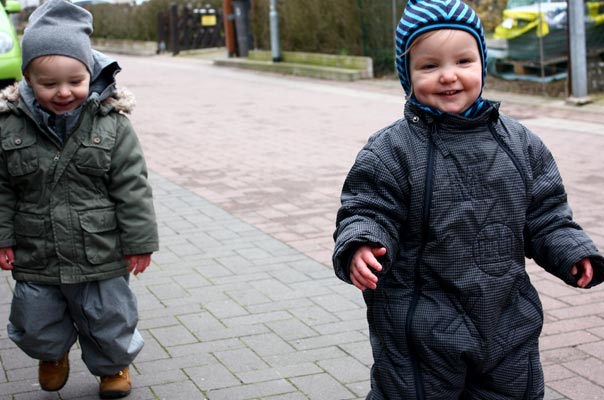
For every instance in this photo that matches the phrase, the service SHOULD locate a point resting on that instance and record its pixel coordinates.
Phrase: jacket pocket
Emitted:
(94, 156)
(101, 236)
(22, 154)
(31, 250)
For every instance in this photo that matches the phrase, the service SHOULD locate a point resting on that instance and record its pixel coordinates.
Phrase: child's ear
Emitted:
(26, 77)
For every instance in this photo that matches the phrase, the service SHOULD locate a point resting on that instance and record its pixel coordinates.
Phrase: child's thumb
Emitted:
(379, 251)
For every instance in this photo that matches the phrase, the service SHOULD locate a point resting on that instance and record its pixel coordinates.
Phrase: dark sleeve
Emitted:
(553, 239)
(372, 211)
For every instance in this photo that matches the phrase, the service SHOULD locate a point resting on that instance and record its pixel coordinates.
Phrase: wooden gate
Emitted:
(185, 27)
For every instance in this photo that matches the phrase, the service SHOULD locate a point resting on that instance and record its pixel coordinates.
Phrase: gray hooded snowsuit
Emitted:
(458, 203)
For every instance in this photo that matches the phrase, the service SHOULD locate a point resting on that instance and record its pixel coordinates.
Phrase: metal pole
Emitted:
(274, 21)
(577, 51)
(540, 23)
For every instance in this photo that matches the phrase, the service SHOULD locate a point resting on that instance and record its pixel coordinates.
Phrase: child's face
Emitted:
(60, 83)
(446, 70)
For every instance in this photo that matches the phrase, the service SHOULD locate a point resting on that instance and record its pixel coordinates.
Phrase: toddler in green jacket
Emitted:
(76, 208)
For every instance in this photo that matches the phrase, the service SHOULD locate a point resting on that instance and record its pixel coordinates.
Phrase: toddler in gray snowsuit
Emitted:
(438, 213)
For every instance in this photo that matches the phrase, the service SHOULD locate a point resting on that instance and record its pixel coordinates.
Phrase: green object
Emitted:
(71, 213)
(10, 50)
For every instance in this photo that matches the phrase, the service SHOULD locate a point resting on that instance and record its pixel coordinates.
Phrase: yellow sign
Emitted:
(208, 20)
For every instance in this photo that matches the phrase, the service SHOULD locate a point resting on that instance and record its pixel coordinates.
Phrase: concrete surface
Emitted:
(241, 302)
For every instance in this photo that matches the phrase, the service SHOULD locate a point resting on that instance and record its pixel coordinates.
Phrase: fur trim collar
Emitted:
(123, 100)
(9, 94)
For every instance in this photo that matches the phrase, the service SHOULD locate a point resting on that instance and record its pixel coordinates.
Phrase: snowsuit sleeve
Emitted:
(552, 238)
(372, 211)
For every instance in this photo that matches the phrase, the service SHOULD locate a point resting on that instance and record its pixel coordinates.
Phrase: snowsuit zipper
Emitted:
(417, 285)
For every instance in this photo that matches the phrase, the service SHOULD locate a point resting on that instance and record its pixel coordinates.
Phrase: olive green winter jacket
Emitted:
(71, 212)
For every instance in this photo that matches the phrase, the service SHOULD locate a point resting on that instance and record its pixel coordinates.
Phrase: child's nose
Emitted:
(448, 75)
(64, 91)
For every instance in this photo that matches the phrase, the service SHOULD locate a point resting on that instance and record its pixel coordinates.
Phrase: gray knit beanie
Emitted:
(58, 27)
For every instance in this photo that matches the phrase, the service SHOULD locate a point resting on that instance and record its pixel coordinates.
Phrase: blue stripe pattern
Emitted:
(421, 16)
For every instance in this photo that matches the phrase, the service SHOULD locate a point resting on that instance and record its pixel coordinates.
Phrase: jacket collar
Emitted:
(416, 114)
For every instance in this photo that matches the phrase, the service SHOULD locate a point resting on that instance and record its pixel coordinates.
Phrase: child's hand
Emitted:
(138, 263)
(7, 257)
(362, 260)
(585, 271)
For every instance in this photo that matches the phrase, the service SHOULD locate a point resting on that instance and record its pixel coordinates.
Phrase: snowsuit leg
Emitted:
(393, 374)
(106, 315)
(101, 314)
(40, 322)
(518, 377)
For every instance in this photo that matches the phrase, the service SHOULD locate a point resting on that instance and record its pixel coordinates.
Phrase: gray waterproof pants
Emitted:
(46, 320)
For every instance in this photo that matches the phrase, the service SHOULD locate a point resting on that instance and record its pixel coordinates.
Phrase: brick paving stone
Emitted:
(555, 372)
(173, 335)
(253, 391)
(345, 369)
(267, 344)
(184, 390)
(288, 396)
(593, 366)
(329, 340)
(347, 325)
(314, 315)
(595, 349)
(271, 374)
(241, 360)
(321, 387)
(574, 324)
(229, 333)
(561, 355)
(566, 339)
(312, 355)
(291, 329)
(578, 388)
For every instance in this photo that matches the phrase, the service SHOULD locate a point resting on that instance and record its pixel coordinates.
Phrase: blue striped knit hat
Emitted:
(421, 16)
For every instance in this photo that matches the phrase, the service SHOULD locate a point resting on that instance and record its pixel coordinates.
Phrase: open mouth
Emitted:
(63, 105)
(450, 92)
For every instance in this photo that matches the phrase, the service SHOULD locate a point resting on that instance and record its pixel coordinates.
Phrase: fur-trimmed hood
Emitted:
(122, 101)
(103, 89)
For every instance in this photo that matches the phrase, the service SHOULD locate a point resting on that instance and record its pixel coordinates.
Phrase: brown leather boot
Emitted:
(115, 386)
(53, 375)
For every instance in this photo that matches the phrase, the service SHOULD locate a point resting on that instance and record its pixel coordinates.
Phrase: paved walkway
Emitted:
(240, 303)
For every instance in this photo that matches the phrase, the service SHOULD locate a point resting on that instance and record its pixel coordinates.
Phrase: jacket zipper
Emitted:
(428, 182)
(507, 150)
(529, 386)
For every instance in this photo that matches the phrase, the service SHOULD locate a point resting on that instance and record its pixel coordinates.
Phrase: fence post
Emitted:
(229, 29)
(274, 24)
(161, 33)
(174, 30)
(577, 53)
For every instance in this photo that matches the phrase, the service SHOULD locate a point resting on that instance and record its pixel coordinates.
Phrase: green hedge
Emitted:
(355, 27)
(135, 22)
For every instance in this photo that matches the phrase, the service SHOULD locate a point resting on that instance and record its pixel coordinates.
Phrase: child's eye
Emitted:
(48, 84)
(428, 66)
(465, 61)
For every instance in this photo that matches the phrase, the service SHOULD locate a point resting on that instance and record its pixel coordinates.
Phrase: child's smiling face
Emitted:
(446, 70)
(61, 84)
